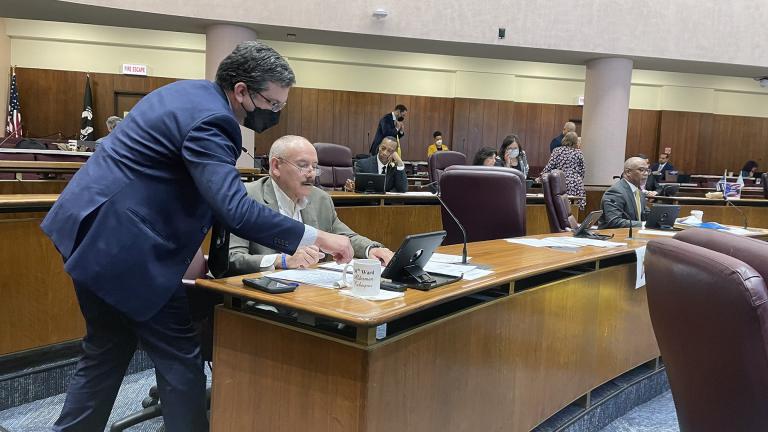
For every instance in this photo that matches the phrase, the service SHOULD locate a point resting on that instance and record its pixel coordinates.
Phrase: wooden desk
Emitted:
(32, 267)
(39, 167)
(504, 352)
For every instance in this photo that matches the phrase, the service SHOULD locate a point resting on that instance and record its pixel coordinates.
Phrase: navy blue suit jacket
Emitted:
(556, 142)
(131, 219)
(395, 179)
(386, 128)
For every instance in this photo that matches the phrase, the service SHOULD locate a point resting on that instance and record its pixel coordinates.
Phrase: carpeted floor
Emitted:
(656, 415)
(40, 415)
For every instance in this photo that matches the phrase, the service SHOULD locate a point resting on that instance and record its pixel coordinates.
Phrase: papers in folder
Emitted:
(565, 242)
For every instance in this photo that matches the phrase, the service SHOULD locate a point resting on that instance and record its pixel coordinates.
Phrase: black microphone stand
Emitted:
(743, 216)
(455, 220)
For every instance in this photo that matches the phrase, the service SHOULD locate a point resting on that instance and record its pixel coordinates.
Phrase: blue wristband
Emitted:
(285, 264)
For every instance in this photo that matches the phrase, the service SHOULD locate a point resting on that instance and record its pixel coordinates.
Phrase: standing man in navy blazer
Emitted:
(391, 125)
(130, 221)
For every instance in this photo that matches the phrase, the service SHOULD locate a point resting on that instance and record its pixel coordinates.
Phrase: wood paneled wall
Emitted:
(350, 119)
(52, 100)
(710, 143)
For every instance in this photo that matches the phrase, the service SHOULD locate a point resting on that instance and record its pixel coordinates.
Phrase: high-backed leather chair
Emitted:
(710, 315)
(488, 201)
(764, 181)
(335, 163)
(557, 203)
(441, 160)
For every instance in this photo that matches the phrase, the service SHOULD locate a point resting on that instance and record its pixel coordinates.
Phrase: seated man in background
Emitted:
(624, 203)
(112, 123)
(387, 162)
(290, 190)
(437, 145)
(663, 165)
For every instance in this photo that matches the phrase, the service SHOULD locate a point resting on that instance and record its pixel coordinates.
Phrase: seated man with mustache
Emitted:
(290, 190)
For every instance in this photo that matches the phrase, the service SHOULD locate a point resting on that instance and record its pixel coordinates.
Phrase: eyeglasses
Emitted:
(275, 106)
(303, 169)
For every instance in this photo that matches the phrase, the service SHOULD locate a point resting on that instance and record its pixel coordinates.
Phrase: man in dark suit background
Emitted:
(558, 140)
(624, 203)
(663, 165)
(386, 161)
(129, 222)
(391, 125)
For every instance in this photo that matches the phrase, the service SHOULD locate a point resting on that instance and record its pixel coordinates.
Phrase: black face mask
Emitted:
(400, 118)
(260, 119)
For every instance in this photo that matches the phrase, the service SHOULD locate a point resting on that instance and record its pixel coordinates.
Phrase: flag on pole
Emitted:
(86, 119)
(13, 121)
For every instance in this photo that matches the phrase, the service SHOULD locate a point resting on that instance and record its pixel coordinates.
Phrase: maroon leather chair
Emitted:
(335, 163)
(441, 160)
(488, 201)
(557, 203)
(710, 315)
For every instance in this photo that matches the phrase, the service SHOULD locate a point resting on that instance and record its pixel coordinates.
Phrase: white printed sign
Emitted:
(135, 69)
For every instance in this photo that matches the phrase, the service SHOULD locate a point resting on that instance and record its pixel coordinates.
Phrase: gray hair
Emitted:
(632, 163)
(570, 139)
(283, 145)
(112, 121)
(570, 126)
(255, 64)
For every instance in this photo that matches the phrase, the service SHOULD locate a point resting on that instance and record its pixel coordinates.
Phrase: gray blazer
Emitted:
(619, 202)
(245, 257)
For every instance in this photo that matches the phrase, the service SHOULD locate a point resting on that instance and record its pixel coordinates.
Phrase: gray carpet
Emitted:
(656, 415)
(40, 415)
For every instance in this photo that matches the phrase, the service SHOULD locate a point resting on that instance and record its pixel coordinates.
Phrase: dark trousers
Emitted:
(169, 339)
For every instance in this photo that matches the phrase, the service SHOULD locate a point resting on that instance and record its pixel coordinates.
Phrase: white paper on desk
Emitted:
(476, 274)
(316, 277)
(382, 295)
(534, 242)
(446, 258)
(640, 279)
(337, 267)
(738, 231)
(575, 241)
(665, 233)
(411, 193)
(448, 269)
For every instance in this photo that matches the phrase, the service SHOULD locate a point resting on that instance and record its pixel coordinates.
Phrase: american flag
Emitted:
(13, 122)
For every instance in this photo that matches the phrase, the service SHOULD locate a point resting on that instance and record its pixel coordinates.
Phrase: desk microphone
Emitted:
(615, 204)
(461, 227)
(727, 201)
(245, 150)
(429, 185)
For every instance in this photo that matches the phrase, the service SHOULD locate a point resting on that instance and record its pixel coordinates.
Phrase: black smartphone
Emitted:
(270, 285)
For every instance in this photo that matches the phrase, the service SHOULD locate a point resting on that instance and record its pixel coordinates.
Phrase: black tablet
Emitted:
(407, 265)
(662, 216)
(369, 183)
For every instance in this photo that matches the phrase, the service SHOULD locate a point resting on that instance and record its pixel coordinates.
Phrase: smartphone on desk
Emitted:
(270, 285)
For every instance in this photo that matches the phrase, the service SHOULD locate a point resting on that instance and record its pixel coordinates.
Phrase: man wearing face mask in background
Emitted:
(130, 221)
(437, 145)
(391, 125)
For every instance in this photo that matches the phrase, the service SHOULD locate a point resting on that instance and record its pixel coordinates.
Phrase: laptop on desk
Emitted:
(370, 183)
